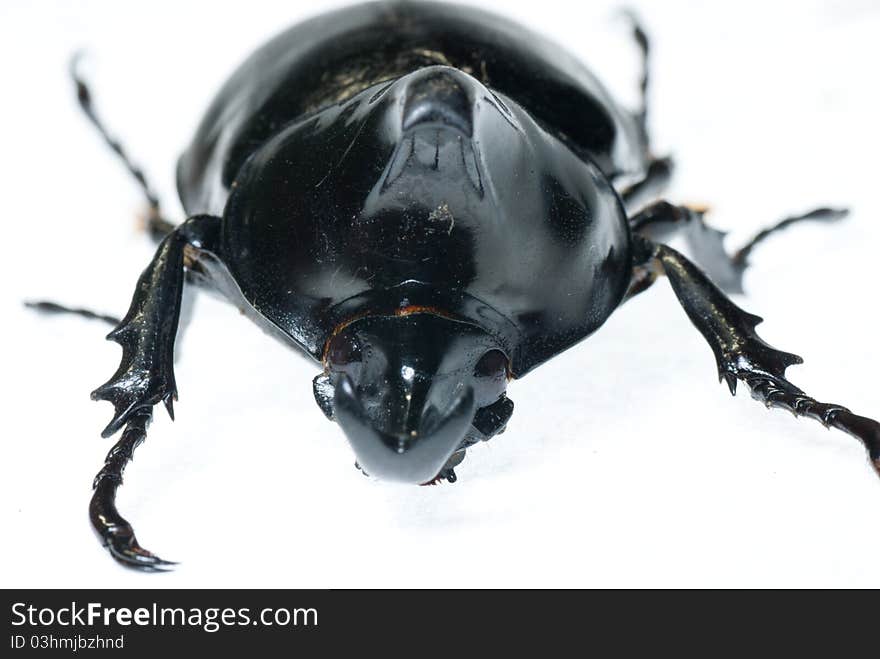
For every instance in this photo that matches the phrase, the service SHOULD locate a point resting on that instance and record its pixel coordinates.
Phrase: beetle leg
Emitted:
(147, 332)
(644, 275)
(157, 227)
(640, 36)
(656, 179)
(659, 170)
(742, 355)
(144, 378)
(47, 307)
(740, 258)
(662, 220)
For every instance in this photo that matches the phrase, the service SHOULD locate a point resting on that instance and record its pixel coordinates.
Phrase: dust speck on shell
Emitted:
(443, 215)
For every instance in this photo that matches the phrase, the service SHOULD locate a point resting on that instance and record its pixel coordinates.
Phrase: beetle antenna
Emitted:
(114, 530)
(157, 226)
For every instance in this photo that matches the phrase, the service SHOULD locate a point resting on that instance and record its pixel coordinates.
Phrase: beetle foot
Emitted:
(779, 392)
(114, 531)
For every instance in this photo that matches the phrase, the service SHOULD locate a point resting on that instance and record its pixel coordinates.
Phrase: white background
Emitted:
(625, 464)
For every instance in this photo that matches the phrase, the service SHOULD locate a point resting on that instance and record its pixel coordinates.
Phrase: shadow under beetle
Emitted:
(430, 201)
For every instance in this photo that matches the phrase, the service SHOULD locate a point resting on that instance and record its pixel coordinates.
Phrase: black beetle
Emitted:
(430, 201)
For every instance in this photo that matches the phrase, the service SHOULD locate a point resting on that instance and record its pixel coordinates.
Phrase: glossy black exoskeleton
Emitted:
(429, 201)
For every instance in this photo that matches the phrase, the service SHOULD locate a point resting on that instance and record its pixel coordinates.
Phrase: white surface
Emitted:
(625, 464)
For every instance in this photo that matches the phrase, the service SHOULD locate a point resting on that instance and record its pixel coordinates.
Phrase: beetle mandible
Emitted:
(429, 201)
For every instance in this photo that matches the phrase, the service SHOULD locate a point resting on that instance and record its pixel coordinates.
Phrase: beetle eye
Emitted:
(491, 365)
(345, 351)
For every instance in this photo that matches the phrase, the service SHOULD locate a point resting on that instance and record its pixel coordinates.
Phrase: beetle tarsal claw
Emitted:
(125, 549)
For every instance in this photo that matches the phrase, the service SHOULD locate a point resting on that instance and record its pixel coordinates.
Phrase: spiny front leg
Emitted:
(144, 378)
(145, 375)
(742, 355)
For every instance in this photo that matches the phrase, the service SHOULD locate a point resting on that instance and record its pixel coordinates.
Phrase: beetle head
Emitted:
(405, 390)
